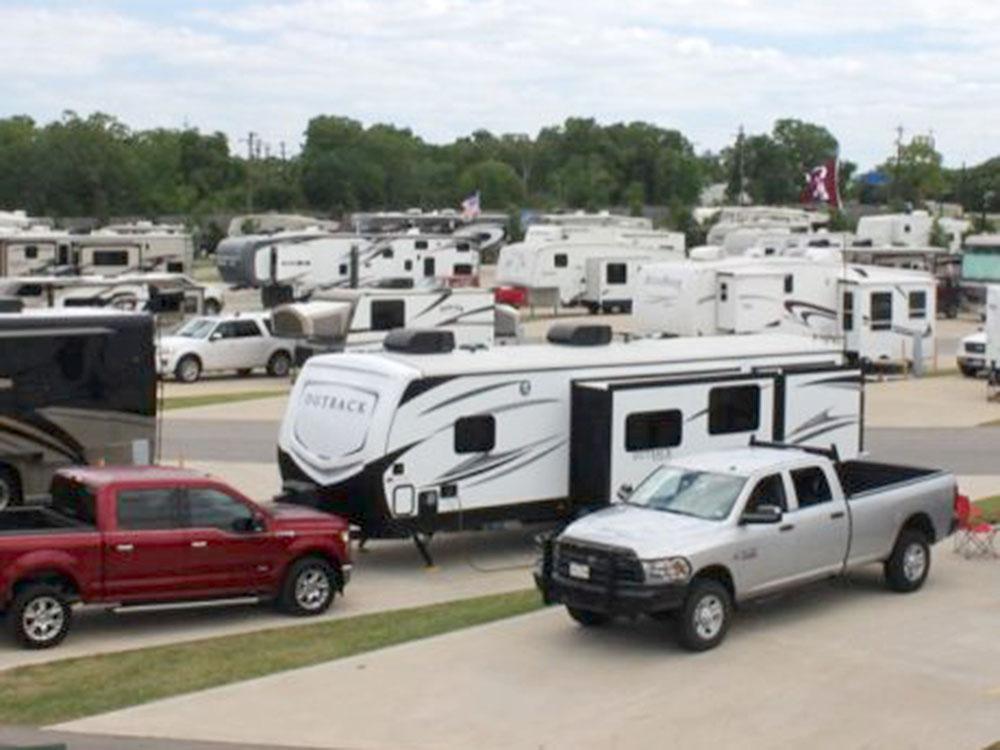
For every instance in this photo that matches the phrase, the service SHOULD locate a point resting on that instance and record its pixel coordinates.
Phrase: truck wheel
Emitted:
(10, 488)
(910, 562)
(705, 617)
(588, 617)
(969, 372)
(279, 365)
(40, 616)
(308, 588)
(188, 369)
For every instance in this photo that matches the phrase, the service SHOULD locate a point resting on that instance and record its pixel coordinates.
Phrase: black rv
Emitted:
(76, 387)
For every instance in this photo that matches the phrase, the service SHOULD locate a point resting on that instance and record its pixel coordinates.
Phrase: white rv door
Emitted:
(823, 408)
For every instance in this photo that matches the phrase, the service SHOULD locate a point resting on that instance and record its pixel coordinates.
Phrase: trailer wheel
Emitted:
(10, 488)
(309, 587)
(588, 617)
(188, 370)
(279, 365)
(212, 307)
(40, 616)
(910, 562)
(705, 616)
(969, 372)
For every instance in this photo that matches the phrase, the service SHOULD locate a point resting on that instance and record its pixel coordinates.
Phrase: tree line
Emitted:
(97, 166)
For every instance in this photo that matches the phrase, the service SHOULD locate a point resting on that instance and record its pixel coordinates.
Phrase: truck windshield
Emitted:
(73, 500)
(687, 492)
(196, 328)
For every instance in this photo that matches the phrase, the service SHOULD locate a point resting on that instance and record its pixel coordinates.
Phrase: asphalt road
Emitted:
(969, 451)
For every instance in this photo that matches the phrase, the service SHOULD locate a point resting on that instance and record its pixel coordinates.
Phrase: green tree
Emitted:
(497, 182)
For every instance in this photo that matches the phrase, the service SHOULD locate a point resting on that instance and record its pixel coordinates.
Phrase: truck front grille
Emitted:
(605, 563)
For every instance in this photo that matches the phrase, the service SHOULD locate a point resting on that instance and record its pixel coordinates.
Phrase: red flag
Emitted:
(822, 185)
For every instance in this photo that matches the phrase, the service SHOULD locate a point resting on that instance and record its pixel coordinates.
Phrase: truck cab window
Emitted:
(148, 510)
(475, 434)
(769, 491)
(212, 509)
(245, 329)
(811, 486)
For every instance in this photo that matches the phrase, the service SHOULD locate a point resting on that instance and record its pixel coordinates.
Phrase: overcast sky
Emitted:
(446, 67)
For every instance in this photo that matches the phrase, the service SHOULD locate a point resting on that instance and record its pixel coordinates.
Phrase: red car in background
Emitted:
(155, 535)
(515, 296)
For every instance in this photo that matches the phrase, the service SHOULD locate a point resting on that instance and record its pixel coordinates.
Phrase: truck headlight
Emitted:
(667, 570)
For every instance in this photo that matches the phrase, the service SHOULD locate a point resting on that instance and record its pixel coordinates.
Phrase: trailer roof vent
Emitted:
(579, 335)
(419, 341)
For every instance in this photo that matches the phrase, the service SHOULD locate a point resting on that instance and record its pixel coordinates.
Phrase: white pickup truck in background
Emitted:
(709, 531)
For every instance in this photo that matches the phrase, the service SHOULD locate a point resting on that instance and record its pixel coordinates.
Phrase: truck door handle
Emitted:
(199, 544)
(837, 514)
(124, 547)
(786, 527)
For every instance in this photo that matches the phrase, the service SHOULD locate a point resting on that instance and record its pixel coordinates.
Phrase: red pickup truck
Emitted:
(132, 536)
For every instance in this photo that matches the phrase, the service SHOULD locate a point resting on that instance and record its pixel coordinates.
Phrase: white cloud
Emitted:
(446, 67)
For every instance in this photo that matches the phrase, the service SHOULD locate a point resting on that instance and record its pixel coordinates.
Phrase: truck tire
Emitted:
(10, 488)
(279, 365)
(40, 616)
(188, 370)
(910, 562)
(588, 617)
(969, 372)
(309, 587)
(704, 618)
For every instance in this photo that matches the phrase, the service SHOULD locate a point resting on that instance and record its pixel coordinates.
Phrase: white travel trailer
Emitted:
(592, 220)
(561, 266)
(992, 331)
(306, 261)
(611, 283)
(35, 250)
(796, 295)
(359, 319)
(405, 443)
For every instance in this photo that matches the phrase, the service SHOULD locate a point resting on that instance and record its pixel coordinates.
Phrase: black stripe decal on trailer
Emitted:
(531, 460)
(469, 394)
(439, 301)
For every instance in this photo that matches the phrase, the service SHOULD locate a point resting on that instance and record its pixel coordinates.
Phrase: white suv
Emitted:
(235, 342)
(972, 354)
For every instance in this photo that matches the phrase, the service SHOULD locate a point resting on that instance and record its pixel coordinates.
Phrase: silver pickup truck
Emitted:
(709, 531)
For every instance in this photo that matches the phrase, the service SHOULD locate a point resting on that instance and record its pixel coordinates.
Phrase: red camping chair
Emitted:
(974, 535)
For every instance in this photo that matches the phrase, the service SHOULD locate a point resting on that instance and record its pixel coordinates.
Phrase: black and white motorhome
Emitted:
(359, 319)
(76, 387)
(407, 443)
(292, 265)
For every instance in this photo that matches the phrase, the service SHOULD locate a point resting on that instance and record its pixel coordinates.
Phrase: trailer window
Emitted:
(388, 314)
(387, 253)
(420, 244)
(616, 273)
(789, 284)
(734, 409)
(148, 510)
(31, 252)
(462, 247)
(428, 266)
(462, 269)
(110, 258)
(918, 305)
(881, 311)
(723, 292)
(343, 269)
(475, 434)
(848, 322)
(408, 265)
(560, 260)
(653, 429)
(811, 487)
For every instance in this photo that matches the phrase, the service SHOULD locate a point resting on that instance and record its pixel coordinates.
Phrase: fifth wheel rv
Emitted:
(407, 444)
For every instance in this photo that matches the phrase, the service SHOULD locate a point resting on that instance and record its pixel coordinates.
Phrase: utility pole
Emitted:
(251, 141)
(282, 148)
(899, 159)
(739, 161)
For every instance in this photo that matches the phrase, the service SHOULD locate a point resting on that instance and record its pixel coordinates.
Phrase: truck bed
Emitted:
(860, 478)
(22, 521)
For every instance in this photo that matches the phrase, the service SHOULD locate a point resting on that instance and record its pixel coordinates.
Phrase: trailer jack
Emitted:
(421, 541)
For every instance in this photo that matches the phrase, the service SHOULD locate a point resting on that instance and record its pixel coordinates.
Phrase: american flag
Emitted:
(470, 206)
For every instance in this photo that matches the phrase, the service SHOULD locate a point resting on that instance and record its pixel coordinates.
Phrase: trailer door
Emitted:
(823, 408)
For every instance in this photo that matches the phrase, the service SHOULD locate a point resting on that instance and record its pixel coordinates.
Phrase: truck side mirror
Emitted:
(763, 514)
(625, 491)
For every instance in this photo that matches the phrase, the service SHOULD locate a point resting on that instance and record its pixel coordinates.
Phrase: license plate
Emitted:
(579, 570)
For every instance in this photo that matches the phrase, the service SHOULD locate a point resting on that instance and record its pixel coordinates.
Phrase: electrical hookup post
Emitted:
(918, 355)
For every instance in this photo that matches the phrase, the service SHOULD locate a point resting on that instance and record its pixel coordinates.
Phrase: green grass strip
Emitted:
(211, 399)
(990, 507)
(73, 688)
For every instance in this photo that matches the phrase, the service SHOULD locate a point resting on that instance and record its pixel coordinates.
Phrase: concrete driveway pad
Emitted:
(843, 664)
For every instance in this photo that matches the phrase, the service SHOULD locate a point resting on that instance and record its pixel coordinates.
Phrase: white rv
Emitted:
(878, 313)
(992, 332)
(403, 443)
(611, 283)
(561, 266)
(34, 250)
(359, 319)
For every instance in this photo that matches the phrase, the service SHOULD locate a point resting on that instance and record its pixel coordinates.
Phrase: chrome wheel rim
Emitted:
(709, 615)
(43, 619)
(280, 366)
(312, 589)
(914, 562)
(189, 370)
